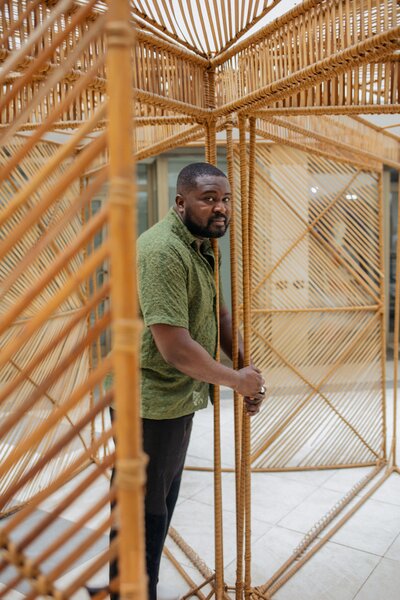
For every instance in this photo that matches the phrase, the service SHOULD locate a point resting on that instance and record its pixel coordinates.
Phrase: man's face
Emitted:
(206, 208)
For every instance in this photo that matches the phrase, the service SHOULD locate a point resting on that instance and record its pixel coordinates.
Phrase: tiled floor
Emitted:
(360, 562)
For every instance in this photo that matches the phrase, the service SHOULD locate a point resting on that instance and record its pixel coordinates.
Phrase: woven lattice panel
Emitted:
(315, 305)
(54, 308)
(320, 54)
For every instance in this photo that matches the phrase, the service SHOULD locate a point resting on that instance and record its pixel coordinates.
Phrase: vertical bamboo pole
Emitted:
(211, 156)
(382, 311)
(247, 348)
(238, 404)
(252, 187)
(130, 472)
(244, 513)
(393, 449)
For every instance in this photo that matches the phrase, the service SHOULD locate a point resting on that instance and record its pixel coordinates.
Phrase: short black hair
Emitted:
(187, 178)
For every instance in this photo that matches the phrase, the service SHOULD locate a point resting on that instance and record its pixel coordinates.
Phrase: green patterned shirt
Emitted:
(176, 287)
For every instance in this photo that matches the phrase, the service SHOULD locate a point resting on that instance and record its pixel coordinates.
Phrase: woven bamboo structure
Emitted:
(77, 78)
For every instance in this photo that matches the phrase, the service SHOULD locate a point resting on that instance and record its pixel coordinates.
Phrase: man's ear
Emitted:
(180, 203)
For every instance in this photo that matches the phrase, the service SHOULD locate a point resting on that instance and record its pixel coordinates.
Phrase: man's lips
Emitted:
(220, 220)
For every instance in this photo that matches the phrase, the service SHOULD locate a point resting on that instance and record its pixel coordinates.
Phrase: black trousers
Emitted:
(165, 442)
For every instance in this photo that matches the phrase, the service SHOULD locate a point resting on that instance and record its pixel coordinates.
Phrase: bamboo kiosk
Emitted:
(89, 86)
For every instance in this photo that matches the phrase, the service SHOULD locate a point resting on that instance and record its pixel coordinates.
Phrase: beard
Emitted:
(207, 231)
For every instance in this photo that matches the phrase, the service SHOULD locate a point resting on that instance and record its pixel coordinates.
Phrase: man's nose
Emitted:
(220, 206)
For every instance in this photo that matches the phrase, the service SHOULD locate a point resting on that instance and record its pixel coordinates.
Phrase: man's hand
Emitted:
(249, 382)
(253, 405)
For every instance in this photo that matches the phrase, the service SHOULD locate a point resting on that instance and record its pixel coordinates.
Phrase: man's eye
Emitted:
(226, 200)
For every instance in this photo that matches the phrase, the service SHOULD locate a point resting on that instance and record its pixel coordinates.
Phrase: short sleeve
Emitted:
(162, 286)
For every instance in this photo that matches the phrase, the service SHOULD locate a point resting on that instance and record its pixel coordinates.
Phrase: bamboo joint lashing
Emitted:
(132, 590)
(122, 192)
(119, 34)
(126, 334)
(131, 472)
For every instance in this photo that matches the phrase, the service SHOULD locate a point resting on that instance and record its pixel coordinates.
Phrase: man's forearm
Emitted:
(180, 350)
(226, 341)
(193, 360)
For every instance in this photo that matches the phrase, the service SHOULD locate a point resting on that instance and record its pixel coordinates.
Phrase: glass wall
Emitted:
(146, 193)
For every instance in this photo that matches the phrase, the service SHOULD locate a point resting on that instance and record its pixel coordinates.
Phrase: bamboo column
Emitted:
(244, 514)
(246, 458)
(130, 463)
(211, 157)
(238, 404)
(382, 313)
(393, 449)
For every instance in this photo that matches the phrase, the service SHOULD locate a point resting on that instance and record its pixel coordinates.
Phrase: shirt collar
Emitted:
(183, 232)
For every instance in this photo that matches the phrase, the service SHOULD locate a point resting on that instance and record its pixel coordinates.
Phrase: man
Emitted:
(178, 302)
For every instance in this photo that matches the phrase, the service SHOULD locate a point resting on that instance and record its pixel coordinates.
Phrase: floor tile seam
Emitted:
(231, 511)
(394, 541)
(343, 545)
(277, 475)
(209, 462)
(211, 504)
(388, 558)
(363, 584)
(192, 496)
(69, 521)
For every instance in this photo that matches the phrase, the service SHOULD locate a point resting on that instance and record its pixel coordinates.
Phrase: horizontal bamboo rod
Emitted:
(328, 309)
(139, 121)
(288, 469)
(352, 110)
